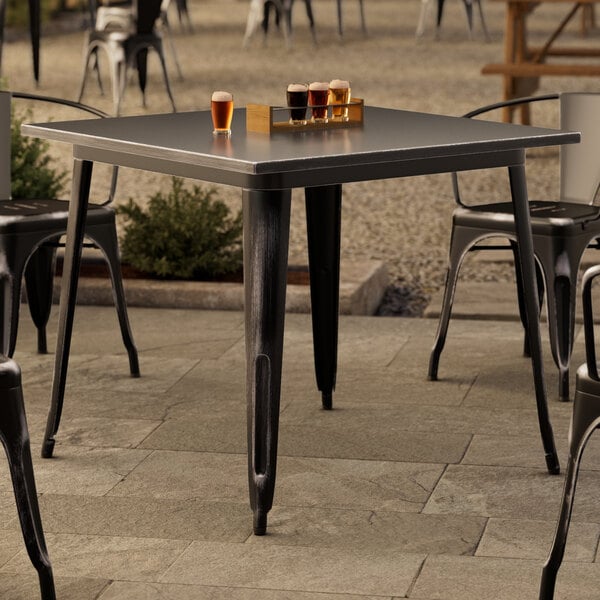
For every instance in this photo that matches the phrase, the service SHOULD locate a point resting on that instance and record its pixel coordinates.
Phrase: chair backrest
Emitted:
(5, 141)
(580, 163)
(147, 13)
(5, 136)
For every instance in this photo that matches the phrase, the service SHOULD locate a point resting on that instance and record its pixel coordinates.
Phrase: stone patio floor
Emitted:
(407, 489)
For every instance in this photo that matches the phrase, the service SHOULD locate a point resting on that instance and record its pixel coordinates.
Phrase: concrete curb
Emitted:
(362, 285)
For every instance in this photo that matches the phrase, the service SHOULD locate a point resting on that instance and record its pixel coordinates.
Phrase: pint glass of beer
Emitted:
(318, 96)
(339, 94)
(221, 108)
(297, 100)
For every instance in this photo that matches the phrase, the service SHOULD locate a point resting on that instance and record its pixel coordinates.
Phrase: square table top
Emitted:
(389, 143)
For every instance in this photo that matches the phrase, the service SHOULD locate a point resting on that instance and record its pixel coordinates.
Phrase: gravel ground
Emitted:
(405, 222)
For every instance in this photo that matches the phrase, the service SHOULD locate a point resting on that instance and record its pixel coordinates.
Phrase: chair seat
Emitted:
(546, 217)
(18, 216)
(585, 383)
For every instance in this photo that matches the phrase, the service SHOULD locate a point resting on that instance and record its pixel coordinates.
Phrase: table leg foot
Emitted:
(327, 400)
(259, 524)
(552, 464)
(48, 448)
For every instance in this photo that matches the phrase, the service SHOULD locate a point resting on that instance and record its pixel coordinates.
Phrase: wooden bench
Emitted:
(524, 65)
(541, 69)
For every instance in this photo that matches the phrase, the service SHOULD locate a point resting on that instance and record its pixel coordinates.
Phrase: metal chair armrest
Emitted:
(491, 107)
(78, 106)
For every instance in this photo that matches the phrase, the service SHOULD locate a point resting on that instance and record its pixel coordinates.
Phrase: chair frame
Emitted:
(125, 49)
(559, 282)
(585, 420)
(32, 252)
(14, 436)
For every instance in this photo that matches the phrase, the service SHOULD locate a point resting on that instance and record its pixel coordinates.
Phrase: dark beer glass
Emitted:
(297, 100)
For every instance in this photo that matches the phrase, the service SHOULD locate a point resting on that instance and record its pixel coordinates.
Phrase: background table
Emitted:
(391, 143)
(524, 64)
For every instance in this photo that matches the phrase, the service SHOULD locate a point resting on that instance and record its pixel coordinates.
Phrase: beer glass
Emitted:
(297, 100)
(339, 94)
(221, 108)
(318, 96)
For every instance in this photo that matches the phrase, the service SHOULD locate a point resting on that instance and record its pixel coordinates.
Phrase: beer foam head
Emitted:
(297, 87)
(318, 86)
(222, 97)
(337, 84)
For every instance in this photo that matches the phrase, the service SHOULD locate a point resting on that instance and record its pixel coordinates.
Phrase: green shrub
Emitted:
(187, 234)
(32, 175)
(17, 12)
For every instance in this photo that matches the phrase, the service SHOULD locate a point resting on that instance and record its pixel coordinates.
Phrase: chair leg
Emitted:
(339, 15)
(39, 275)
(425, 6)
(163, 64)
(586, 418)
(86, 65)
(520, 295)
(469, 12)
(486, 33)
(561, 277)
(311, 21)
(462, 239)
(106, 238)
(15, 438)
(363, 23)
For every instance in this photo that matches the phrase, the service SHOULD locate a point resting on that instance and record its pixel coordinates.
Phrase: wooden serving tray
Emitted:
(261, 118)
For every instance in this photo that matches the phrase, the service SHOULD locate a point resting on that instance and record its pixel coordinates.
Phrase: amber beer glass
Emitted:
(318, 97)
(339, 94)
(297, 100)
(221, 108)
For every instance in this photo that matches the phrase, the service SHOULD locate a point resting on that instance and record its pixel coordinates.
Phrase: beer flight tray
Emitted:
(261, 118)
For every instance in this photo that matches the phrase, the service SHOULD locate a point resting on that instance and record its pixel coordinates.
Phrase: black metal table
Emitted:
(391, 143)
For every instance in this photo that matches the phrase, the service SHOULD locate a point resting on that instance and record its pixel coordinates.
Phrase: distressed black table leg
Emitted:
(323, 224)
(518, 188)
(266, 241)
(82, 175)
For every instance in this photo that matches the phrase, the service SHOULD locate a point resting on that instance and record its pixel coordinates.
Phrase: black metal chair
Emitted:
(260, 11)
(29, 235)
(363, 23)
(584, 421)
(125, 35)
(561, 230)
(15, 439)
(426, 5)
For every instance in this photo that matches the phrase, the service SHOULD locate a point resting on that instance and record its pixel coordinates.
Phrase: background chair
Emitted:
(584, 421)
(15, 439)
(259, 14)
(426, 8)
(125, 34)
(561, 230)
(363, 24)
(29, 234)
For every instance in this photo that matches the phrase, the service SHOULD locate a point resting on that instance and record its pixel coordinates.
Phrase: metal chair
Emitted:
(259, 14)
(561, 230)
(363, 24)
(426, 8)
(584, 421)
(15, 439)
(126, 36)
(29, 234)
(260, 10)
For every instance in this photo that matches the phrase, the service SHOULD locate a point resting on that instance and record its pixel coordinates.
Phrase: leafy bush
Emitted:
(17, 11)
(31, 174)
(187, 234)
